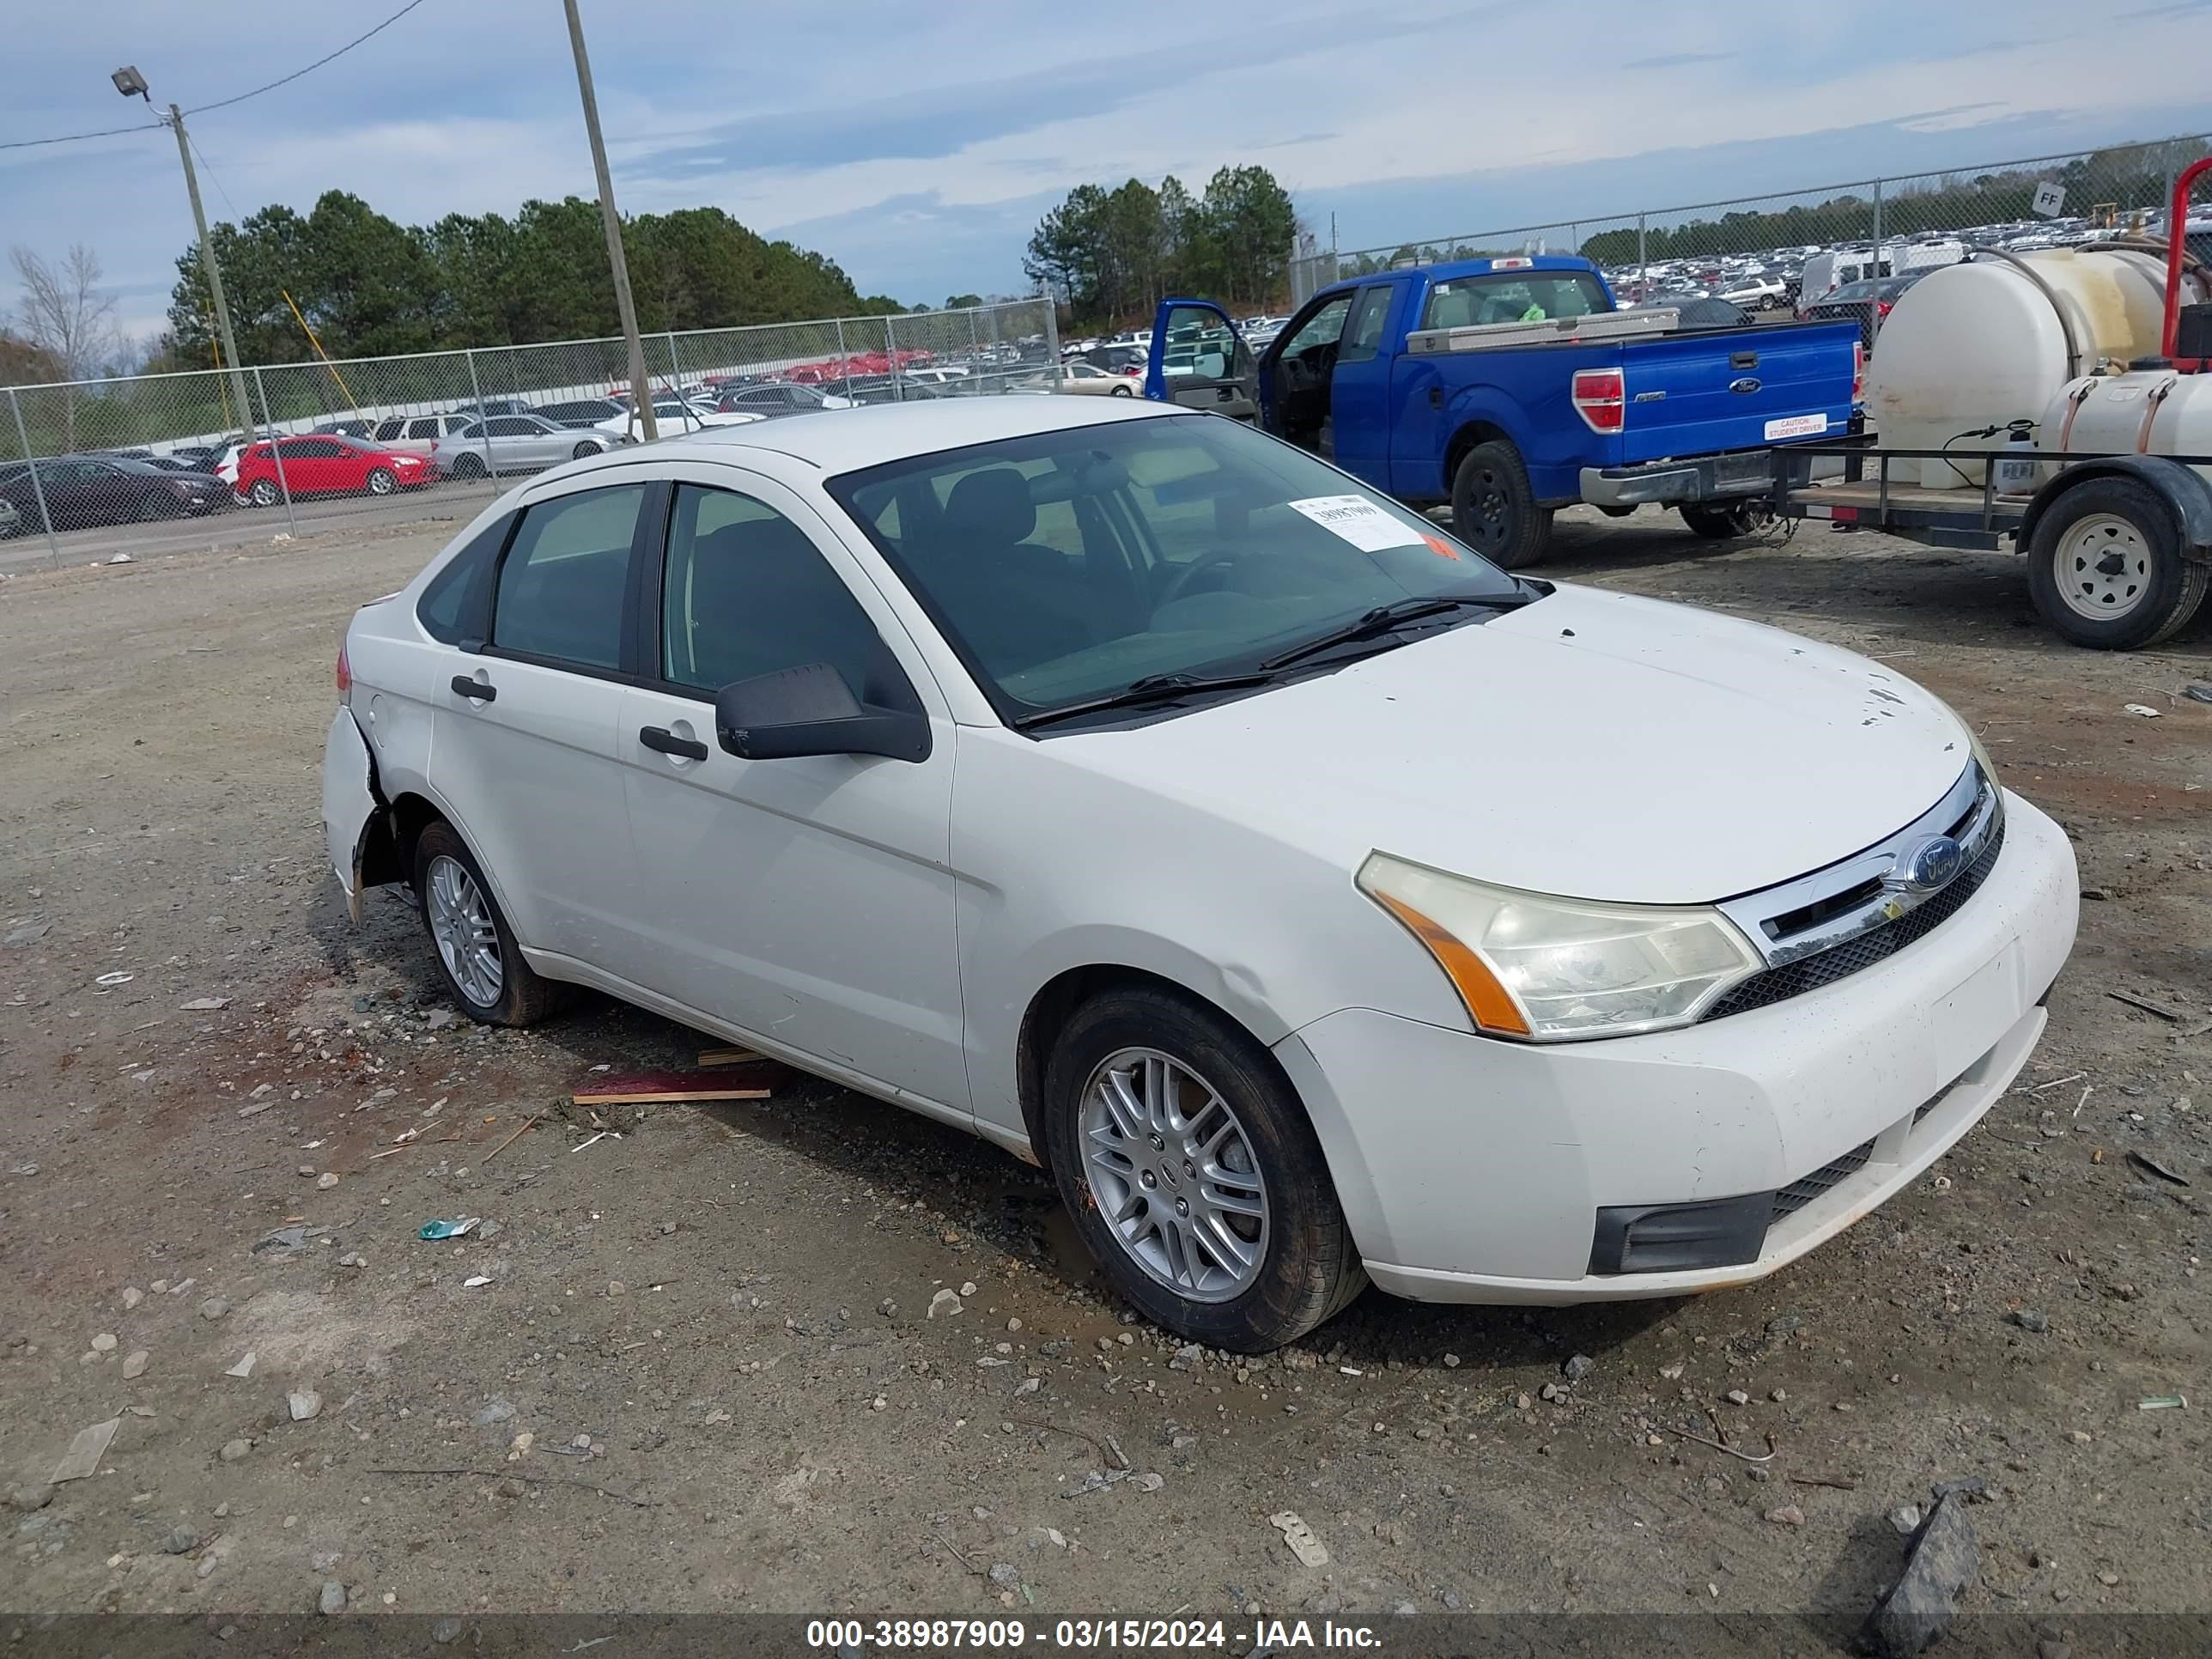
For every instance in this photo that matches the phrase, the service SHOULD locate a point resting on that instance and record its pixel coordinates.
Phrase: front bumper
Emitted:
(1472, 1169)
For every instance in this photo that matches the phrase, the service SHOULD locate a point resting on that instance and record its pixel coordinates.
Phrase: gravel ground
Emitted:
(707, 1364)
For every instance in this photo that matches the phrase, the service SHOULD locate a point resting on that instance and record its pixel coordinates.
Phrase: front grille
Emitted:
(1804, 1190)
(1775, 985)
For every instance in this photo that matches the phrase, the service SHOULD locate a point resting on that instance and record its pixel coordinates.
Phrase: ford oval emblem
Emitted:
(1747, 384)
(1928, 866)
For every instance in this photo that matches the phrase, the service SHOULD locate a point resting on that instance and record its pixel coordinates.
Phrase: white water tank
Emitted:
(1986, 343)
(2149, 412)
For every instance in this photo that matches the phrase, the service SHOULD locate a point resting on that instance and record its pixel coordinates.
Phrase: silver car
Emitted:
(514, 443)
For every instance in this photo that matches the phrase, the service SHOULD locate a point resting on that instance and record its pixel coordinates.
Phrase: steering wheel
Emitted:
(1181, 582)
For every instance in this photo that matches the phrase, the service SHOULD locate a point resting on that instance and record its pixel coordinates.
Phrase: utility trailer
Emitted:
(2119, 546)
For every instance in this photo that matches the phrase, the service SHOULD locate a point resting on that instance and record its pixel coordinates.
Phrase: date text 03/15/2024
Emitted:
(847, 1635)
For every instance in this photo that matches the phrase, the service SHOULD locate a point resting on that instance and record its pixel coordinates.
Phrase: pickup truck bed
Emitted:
(1511, 387)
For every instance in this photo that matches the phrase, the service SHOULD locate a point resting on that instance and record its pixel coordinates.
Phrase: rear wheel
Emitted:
(1494, 510)
(467, 465)
(2106, 570)
(587, 447)
(264, 493)
(1723, 520)
(1121, 392)
(380, 481)
(151, 507)
(1192, 1173)
(483, 969)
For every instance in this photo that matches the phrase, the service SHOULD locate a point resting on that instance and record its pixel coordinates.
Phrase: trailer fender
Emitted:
(2183, 488)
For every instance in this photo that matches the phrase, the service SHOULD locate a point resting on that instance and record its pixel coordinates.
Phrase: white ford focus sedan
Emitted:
(1318, 903)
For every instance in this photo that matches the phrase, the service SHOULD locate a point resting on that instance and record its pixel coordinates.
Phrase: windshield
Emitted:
(1064, 566)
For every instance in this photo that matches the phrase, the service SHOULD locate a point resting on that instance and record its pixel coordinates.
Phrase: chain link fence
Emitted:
(116, 468)
(1782, 254)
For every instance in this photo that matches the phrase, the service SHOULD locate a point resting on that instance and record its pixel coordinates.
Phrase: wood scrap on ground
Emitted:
(754, 1081)
(728, 1056)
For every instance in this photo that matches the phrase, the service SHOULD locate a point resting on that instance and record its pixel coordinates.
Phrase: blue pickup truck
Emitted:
(1511, 387)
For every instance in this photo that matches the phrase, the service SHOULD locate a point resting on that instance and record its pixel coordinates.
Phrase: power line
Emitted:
(78, 137)
(310, 68)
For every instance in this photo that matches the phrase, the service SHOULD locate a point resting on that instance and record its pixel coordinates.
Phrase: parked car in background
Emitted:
(12, 522)
(82, 491)
(584, 412)
(1863, 303)
(328, 465)
(676, 417)
(1700, 310)
(1758, 294)
(1082, 379)
(887, 389)
(352, 426)
(936, 374)
(201, 458)
(514, 443)
(774, 398)
(862, 714)
(420, 435)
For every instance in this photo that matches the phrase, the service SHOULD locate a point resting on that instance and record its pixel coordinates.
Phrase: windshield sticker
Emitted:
(1359, 522)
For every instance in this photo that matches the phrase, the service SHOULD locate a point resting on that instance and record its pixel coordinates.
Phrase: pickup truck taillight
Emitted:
(1858, 370)
(1599, 399)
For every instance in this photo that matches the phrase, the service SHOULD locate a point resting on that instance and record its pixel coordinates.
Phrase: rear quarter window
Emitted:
(455, 603)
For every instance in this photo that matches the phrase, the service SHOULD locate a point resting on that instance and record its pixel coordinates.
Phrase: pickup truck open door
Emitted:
(1200, 361)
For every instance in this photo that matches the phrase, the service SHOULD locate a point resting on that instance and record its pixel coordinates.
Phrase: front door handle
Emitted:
(667, 742)
(475, 690)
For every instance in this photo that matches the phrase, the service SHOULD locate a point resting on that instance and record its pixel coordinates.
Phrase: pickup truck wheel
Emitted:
(1724, 520)
(1495, 512)
(2106, 570)
(1192, 1173)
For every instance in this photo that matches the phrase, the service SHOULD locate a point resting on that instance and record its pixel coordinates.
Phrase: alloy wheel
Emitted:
(1174, 1175)
(461, 924)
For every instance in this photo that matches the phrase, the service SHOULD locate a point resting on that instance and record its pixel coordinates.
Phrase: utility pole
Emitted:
(131, 84)
(641, 389)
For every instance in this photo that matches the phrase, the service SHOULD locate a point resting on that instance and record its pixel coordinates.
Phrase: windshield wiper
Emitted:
(1384, 617)
(1152, 688)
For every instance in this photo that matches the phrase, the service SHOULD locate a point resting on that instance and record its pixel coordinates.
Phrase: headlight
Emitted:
(1554, 970)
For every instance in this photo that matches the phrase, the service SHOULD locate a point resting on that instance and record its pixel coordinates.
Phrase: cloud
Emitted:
(1680, 59)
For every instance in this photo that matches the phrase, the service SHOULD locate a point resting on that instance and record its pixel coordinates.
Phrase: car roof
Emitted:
(844, 440)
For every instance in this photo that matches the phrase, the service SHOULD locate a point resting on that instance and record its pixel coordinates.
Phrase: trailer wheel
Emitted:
(2106, 568)
(1494, 511)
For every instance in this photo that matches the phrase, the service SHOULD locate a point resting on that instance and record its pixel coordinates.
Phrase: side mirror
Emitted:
(810, 710)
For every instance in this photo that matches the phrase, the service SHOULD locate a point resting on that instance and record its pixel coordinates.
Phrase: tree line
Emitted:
(372, 287)
(1114, 254)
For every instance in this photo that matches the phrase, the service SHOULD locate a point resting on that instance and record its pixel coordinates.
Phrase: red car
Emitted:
(327, 464)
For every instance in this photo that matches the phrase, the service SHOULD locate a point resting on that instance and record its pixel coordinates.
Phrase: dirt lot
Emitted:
(702, 1373)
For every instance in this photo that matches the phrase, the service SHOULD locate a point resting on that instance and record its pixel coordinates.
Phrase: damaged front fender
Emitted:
(356, 822)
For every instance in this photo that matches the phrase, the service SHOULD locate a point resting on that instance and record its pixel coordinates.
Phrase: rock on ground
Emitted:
(1941, 1560)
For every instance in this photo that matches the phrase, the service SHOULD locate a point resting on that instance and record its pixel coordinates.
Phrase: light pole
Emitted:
(131, 84)
(641, 389)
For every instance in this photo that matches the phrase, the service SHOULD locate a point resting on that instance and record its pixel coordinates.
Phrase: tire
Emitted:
(519, 997)
(151, 507)
(264, 493)
(468, 467)
(1121, 392)
(2105, 568)
(586, 447)
(1304, 1268)
(1725, 520)
(380, 481)
(1494, 511)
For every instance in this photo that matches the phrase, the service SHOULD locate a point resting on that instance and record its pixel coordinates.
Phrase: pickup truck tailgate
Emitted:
(1738, 388)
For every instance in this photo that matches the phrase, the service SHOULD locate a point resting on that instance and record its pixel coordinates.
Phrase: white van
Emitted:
(1827, 271)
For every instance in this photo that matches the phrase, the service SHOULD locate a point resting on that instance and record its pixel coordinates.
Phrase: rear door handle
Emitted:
(667, 742)
(475, 690)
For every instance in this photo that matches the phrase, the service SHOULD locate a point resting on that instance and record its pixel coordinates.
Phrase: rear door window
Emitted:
(561, 586)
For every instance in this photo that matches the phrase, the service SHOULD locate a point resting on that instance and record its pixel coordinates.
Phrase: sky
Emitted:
(918, 145)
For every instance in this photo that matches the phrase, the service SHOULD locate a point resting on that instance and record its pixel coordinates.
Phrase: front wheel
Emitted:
(2105, 568)
(151, 507)
(1494, 510)
(381, 481)
(264, 493)
(586, 447)
(483, 969)
(1121, 392)
(1192, 1173)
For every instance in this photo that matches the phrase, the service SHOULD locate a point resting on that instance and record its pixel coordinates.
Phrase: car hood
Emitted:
(1591, 744)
